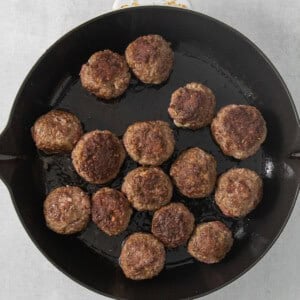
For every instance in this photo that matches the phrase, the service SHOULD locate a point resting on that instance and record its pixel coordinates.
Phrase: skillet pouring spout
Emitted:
(295, 153)
(294, 157)
(10, 157)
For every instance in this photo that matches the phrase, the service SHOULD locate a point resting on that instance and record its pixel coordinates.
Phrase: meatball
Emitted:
(57, 131)
(67, 210)
(173, 224)
(151, 58)
(147, 188)
(238, 192)
(192, 106)
(98, 156)
(142, 256)
(106, 74)
(111, 211)
(239, 130)
(210, 242)
(149, 143)
(194, 173)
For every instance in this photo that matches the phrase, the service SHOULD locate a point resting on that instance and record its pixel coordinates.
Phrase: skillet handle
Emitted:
(119, 4)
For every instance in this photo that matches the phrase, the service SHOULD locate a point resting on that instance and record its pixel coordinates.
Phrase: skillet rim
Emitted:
(112, 13)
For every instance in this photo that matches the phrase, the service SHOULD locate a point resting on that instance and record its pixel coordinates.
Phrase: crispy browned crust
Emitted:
(106, 74)
(239, 130)
(238, 192)
(151, 58)
(57, 131)
(147, 188)
(173, 224)
(111, 211)
(67, 210)
(192, 106)
(98, 156)
(194, 173)
(149, 143)
(142, 256)
(210, 242)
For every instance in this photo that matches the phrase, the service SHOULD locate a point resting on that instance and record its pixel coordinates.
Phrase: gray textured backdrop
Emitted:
(29, 27)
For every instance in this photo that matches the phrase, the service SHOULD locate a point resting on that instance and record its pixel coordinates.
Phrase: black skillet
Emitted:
(206, 51)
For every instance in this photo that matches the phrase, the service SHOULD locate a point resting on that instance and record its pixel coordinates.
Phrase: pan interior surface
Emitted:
(206, 51)
(141, 103)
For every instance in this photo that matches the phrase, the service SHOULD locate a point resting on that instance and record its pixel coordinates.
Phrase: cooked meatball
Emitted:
(173, 224)
(192, 106)
(106, 74)
(147, 188)
(194, 173)
(149, 143)
(210, 242)
(238, 192)
(111, 211)
(151, 58)
(98, 156)
(239, 130)
(57, 131)
(142, 256)
(67, 210)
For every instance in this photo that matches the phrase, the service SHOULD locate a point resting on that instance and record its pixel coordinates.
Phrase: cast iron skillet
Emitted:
(206, 51)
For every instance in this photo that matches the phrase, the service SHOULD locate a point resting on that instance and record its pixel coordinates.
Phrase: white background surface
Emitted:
(29, 27)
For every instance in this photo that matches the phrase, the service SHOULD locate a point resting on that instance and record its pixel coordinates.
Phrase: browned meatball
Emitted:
(194, 173)
(147, 188)
(57, 131)
(106, 74)
(192, 106)
(142, 256)
(239, 130)
(238, 192)
(98, 156)
(111, 211)
(149, 143)
(210, 242)
(173, 224)
(151, 58)
(67, 210)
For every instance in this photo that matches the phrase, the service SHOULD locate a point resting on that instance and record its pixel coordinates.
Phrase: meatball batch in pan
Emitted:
(173, 224)
(194, 173)
(67, 210)
(238, 192)
(142, 256)
(111, 211)
(57, 131)
(147, 188)
(239, 130)
(192, 106)
(210, 242)
(151, 58)
(150, 142)
(98, 156)
(106, 74)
